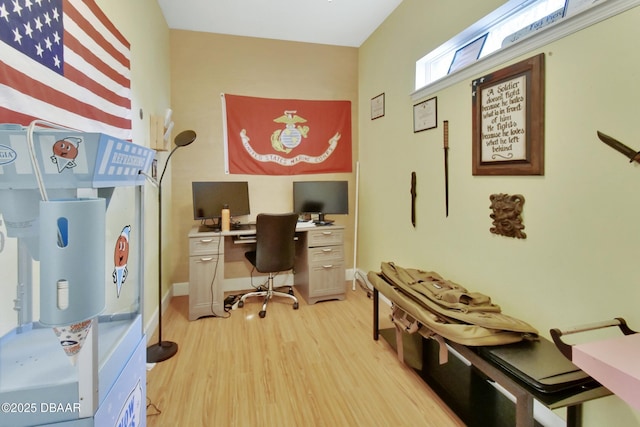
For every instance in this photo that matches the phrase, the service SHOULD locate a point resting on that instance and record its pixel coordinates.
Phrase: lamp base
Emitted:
(161, 351)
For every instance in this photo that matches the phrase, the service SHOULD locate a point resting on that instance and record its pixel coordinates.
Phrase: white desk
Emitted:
(217, 265)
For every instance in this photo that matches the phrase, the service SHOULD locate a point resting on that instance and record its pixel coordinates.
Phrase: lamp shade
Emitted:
(184, 138)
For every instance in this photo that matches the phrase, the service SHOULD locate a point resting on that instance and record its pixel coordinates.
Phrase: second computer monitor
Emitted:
(321, 197)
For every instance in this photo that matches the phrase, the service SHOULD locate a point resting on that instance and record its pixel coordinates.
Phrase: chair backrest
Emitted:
(275, 245)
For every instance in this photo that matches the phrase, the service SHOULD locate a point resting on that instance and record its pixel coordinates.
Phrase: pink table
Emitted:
(614, 363)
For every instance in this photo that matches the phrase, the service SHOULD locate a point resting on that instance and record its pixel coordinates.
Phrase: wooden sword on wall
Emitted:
(413, 198)
(446, 166)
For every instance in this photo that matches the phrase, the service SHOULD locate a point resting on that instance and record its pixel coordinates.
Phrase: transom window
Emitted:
(515, 28)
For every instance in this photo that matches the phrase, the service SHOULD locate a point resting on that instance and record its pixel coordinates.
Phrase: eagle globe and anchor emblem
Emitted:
(289, 138)
(285, 140)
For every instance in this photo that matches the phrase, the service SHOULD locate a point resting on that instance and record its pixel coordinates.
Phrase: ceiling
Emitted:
(333, 22)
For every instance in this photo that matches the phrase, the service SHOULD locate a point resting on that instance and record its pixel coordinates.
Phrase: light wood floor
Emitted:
(315, 366)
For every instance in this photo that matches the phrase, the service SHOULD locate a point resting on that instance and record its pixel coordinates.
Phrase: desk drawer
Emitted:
(326, 255)
(325, 237)
(205, 245)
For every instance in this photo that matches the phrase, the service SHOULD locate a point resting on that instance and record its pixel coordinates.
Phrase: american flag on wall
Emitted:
(64, 62)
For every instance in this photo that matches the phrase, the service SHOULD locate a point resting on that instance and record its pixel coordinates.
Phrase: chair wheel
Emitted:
(240, 304)
(290, 291)
(262, 314)
(295, 305)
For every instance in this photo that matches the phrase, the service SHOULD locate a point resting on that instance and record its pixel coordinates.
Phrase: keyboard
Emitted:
(246, 226)
(246, 237)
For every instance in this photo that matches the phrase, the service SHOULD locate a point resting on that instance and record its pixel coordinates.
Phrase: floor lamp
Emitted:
(164, 350)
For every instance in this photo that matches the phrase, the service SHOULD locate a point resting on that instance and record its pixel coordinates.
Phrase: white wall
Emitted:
(577, 264)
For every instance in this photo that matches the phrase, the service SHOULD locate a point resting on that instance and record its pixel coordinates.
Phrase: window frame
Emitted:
(563, 28)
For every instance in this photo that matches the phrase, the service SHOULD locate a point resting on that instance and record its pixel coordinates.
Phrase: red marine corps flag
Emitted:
(286, 136)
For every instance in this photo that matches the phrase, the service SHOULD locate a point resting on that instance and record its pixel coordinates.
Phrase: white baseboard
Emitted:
(244, 283)
(180, 289)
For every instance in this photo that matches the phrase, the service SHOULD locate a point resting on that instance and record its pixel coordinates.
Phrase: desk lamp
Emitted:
(164, 350)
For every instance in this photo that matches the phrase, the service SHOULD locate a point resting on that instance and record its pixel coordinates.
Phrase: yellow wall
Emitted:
(205, 65)
(578, 262)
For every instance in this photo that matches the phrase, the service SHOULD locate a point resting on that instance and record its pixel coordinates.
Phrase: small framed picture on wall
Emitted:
(377, 106)
(425, 115)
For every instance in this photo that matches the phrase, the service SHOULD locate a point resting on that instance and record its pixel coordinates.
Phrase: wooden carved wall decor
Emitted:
(506, 217)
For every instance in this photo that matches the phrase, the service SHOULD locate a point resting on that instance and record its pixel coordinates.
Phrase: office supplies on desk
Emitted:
(305, 224)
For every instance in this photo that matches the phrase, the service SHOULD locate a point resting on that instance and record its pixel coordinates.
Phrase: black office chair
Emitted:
(275, 252)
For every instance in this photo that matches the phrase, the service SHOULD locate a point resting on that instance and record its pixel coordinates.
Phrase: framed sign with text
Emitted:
(508, 120)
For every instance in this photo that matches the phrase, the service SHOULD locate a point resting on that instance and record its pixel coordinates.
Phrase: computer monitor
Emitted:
(321, 197)
(209, 198)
